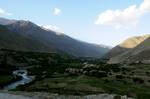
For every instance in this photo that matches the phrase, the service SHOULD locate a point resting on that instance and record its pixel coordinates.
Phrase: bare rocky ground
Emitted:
(39, 95)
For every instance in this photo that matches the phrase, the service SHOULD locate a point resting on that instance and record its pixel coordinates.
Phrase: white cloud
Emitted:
(58, 30)
(124, 18)
(57, 11)
(3, 12)
(51, 27)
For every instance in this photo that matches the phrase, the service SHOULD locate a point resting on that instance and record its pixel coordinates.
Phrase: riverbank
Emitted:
(7, 80)
(41, 95)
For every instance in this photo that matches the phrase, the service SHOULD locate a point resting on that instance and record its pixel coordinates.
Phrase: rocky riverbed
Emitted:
(40, 95)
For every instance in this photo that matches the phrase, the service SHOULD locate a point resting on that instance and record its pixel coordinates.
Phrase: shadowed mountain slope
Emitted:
(33, 37)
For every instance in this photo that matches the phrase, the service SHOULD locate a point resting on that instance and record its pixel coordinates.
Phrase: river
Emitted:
(24, 95)
(25, 79)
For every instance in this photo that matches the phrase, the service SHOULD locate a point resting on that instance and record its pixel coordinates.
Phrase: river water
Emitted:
(25, 79)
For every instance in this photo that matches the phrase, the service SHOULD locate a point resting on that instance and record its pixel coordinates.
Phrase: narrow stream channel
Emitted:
(25, 79)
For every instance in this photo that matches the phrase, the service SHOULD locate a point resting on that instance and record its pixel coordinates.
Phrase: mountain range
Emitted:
(27, 36)
(125, 46)
(132, 50)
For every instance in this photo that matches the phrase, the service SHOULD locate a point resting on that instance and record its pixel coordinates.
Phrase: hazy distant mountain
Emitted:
(140, 53)
(126, 45)
(25, 35)
(4, 21)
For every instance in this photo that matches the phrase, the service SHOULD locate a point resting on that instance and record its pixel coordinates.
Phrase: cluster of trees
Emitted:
(102, 70)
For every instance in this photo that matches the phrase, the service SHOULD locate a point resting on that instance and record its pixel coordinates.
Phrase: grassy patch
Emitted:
(80, 85)
(7, 79)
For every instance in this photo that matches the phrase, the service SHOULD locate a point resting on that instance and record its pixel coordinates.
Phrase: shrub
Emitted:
(117, 97)
(138, 80)
(119, 77)
(115, 67)
(101, 74)
(149, 80)
(147, 73)
(72, 71)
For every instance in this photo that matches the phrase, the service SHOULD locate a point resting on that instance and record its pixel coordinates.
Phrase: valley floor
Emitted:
(66, 75)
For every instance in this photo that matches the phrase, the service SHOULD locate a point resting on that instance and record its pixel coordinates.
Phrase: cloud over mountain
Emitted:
(57, 29)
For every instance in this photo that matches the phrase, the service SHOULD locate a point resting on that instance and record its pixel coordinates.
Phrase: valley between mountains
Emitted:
(52, 66)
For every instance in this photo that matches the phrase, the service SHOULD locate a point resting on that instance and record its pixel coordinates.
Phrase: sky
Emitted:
(107, 22)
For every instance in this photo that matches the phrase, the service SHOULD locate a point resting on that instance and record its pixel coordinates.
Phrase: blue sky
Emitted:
(96, 21)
